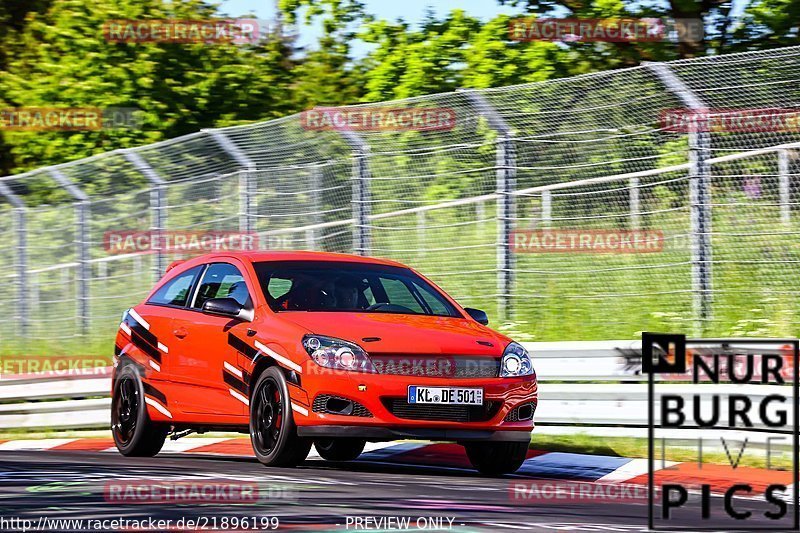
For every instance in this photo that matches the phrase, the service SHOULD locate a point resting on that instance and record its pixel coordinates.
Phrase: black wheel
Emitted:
(496, 458)
(339, 449)
(272, 429)
(134, 433)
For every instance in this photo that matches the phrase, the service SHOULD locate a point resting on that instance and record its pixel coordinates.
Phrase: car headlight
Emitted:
(516, 362)
(337, 354)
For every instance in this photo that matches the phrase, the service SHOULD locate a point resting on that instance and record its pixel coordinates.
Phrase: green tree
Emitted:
(767, 23)
(457, 51)
(60, 58)
(326, 75)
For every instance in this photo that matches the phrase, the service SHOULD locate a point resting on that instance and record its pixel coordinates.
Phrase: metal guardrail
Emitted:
(592, 387)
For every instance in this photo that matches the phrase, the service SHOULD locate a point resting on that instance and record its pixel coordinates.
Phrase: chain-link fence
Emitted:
(490, 207)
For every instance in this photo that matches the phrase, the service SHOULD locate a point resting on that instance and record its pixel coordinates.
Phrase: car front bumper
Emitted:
(373, 433)
(375, 392)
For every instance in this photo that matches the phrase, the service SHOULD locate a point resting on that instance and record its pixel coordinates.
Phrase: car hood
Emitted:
(407, 334)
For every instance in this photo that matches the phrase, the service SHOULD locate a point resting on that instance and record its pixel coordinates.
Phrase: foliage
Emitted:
(60, 58)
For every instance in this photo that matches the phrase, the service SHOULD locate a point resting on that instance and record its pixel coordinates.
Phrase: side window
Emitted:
(370, 297)
(278, 286)
(176, 291)
(221, 280)
(398, 294)
(438, 307)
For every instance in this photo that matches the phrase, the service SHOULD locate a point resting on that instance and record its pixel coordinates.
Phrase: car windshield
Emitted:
(353, 287)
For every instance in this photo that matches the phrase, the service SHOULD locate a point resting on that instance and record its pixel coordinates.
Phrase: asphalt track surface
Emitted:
(317, 495)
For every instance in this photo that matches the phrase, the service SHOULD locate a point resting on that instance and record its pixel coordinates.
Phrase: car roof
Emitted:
(293, 255)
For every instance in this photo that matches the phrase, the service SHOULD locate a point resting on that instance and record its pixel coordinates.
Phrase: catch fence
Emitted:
(477, 205)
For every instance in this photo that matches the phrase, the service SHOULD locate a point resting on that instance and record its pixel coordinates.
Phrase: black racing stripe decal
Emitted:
(234, 382)
(242, 347)
(147, 348)
(127, 360)
(155, 393)
(117, 349)
(140, 329)
(143, 339)
(246, 376)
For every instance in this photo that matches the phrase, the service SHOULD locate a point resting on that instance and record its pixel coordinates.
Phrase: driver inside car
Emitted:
(346, 293)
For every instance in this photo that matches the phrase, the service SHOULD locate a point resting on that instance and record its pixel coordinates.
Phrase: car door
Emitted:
(205, 365)
(149, 326)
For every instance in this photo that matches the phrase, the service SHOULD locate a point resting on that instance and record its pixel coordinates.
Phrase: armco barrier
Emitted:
(585, 387)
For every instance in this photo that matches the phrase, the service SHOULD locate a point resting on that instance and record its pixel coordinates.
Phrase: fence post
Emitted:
(504, 188)
(361, 192)
(547, 209)
(245, 201)
(635, 203)
(22, 317)
(82, 206)
(699, 197)
(421, 232)
(246, 186)
(316, 205)
(784, 186)
(158, 215)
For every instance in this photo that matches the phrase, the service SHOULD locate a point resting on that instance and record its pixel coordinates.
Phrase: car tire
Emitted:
(339, 449)
(273, 432)
(135, 435)
(496, 458)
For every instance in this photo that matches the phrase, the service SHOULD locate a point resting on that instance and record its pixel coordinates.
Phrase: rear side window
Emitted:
(222, 280)
(176, 291)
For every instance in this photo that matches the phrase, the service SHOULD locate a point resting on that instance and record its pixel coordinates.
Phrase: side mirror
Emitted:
(478, 315)
(223, 307)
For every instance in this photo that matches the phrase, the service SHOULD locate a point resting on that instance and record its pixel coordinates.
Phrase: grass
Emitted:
(555, 296)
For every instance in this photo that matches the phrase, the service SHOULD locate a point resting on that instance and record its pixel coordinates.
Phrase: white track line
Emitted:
(33, 444)
(630, 470)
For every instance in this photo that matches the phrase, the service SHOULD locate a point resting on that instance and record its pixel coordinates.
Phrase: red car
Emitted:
(305, 347)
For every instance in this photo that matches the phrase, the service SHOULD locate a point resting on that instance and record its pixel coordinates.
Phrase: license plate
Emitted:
(445, 395)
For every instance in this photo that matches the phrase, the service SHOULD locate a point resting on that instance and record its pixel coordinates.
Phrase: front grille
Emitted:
(400, 408)
(436, 365)
(526, 410)
(321, 405)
